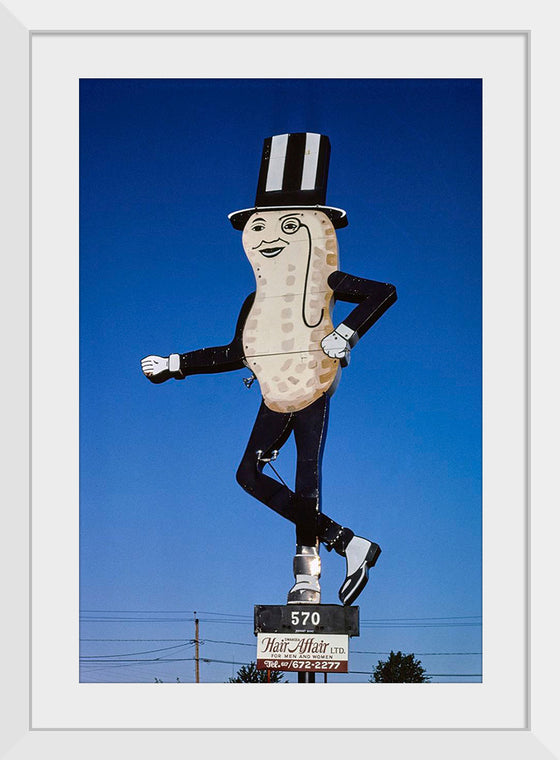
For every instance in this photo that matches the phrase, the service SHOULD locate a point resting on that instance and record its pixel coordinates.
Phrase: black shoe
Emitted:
(360, 554)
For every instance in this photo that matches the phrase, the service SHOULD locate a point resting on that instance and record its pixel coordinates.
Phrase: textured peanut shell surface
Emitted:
(292, 255)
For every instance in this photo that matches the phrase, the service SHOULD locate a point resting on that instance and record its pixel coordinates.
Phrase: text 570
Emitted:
(303, 617)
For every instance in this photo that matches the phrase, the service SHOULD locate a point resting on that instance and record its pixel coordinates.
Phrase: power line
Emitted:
(89, 660)
(158, 620)
(231, 662)
(252, 644)
(165, 612)
(453, 617)
(422, 654)
(431, 675)
(217, 641)
(146, 651)
(364, 624)
(91, 663)
(244, 622)
(250, 617)
(454, 675)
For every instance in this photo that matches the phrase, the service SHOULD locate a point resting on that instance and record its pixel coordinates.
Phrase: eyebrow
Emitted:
(258, 219)
(295, 213)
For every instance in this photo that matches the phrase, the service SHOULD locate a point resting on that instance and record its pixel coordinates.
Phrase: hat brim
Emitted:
(336, 215)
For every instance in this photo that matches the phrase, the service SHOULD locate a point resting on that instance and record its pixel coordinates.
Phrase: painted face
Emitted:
(272, 233)
(281, 244)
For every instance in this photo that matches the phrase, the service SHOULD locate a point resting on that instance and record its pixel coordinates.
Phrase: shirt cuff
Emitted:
(347, 333)
(174, 363)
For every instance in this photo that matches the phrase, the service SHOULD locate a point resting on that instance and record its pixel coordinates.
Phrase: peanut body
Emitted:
(291, 313)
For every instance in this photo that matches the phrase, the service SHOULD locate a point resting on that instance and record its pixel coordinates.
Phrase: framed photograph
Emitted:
(66, 73)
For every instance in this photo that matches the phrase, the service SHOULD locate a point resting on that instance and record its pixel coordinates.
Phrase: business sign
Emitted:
(322, 653)
(307, 618)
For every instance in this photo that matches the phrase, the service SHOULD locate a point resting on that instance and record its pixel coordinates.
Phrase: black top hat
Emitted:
(293, 174)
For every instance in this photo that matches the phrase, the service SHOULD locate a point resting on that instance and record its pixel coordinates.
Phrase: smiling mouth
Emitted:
(270, 252)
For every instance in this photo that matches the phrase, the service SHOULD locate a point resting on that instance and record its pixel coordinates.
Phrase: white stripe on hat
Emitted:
(276, 162)
(310, 161)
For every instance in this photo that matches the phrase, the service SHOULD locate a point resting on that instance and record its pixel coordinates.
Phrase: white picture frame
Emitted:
(532, 732)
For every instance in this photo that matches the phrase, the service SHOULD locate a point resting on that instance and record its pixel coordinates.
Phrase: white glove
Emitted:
(153, 365)
(337, 344)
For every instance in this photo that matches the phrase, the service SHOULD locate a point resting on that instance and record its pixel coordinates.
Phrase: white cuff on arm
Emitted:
(347, 333)
(174, 363)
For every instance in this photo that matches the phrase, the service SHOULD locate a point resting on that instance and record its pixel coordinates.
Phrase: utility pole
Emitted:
(196, 658)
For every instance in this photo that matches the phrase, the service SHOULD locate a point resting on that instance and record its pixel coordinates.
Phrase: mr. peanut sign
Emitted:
(286, 337)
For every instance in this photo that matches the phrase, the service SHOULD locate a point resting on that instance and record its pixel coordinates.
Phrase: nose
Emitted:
(267, 242)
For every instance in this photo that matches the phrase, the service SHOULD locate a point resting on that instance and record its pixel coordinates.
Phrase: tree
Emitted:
(250, 674)
(399, 668)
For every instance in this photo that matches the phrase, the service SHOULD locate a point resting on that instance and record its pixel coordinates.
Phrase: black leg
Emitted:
(310, 431)
(302, 507)
(270, 432)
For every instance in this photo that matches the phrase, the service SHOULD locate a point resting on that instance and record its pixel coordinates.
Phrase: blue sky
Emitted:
(164, 528)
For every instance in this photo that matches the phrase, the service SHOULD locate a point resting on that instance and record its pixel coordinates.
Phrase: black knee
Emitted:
(247, 474)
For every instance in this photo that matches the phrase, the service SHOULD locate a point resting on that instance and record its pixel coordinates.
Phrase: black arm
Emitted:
(219, 358)
(373, 299)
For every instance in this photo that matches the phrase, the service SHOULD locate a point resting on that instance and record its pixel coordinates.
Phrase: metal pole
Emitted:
(306, 677)
(196, 660)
